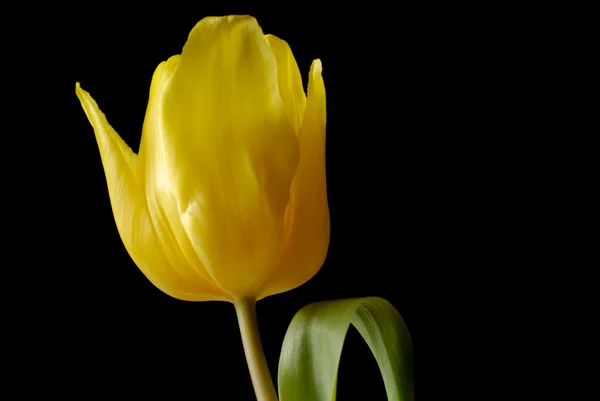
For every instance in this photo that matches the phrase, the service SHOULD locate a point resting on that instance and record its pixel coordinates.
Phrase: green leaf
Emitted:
(311, 351)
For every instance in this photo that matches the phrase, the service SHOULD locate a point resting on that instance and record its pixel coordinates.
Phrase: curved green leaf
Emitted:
(312, 348)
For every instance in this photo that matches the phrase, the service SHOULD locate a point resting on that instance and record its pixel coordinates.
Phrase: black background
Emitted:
(450, 173)
(392, 184)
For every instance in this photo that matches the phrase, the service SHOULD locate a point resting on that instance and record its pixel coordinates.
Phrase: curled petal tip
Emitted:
(317, 66)
(78, 90)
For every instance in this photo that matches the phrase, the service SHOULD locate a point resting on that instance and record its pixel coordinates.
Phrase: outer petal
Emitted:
(161, 201)
(307, 218)
(290, 80)
(229, 152)
(131, 215)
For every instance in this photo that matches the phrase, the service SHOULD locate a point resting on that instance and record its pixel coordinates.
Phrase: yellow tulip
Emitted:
(227, 196)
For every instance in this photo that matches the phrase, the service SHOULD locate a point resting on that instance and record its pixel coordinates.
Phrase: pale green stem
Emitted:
(255, 356)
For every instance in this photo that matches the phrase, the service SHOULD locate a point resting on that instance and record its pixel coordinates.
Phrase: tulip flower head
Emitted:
(226, 198)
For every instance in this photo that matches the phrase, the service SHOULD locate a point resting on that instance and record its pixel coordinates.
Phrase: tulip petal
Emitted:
(229, 151)
(164, 213)
(130, 212)
(290, 80)
(307, 218)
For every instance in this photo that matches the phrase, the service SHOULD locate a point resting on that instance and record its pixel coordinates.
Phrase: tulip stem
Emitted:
(255, 356)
